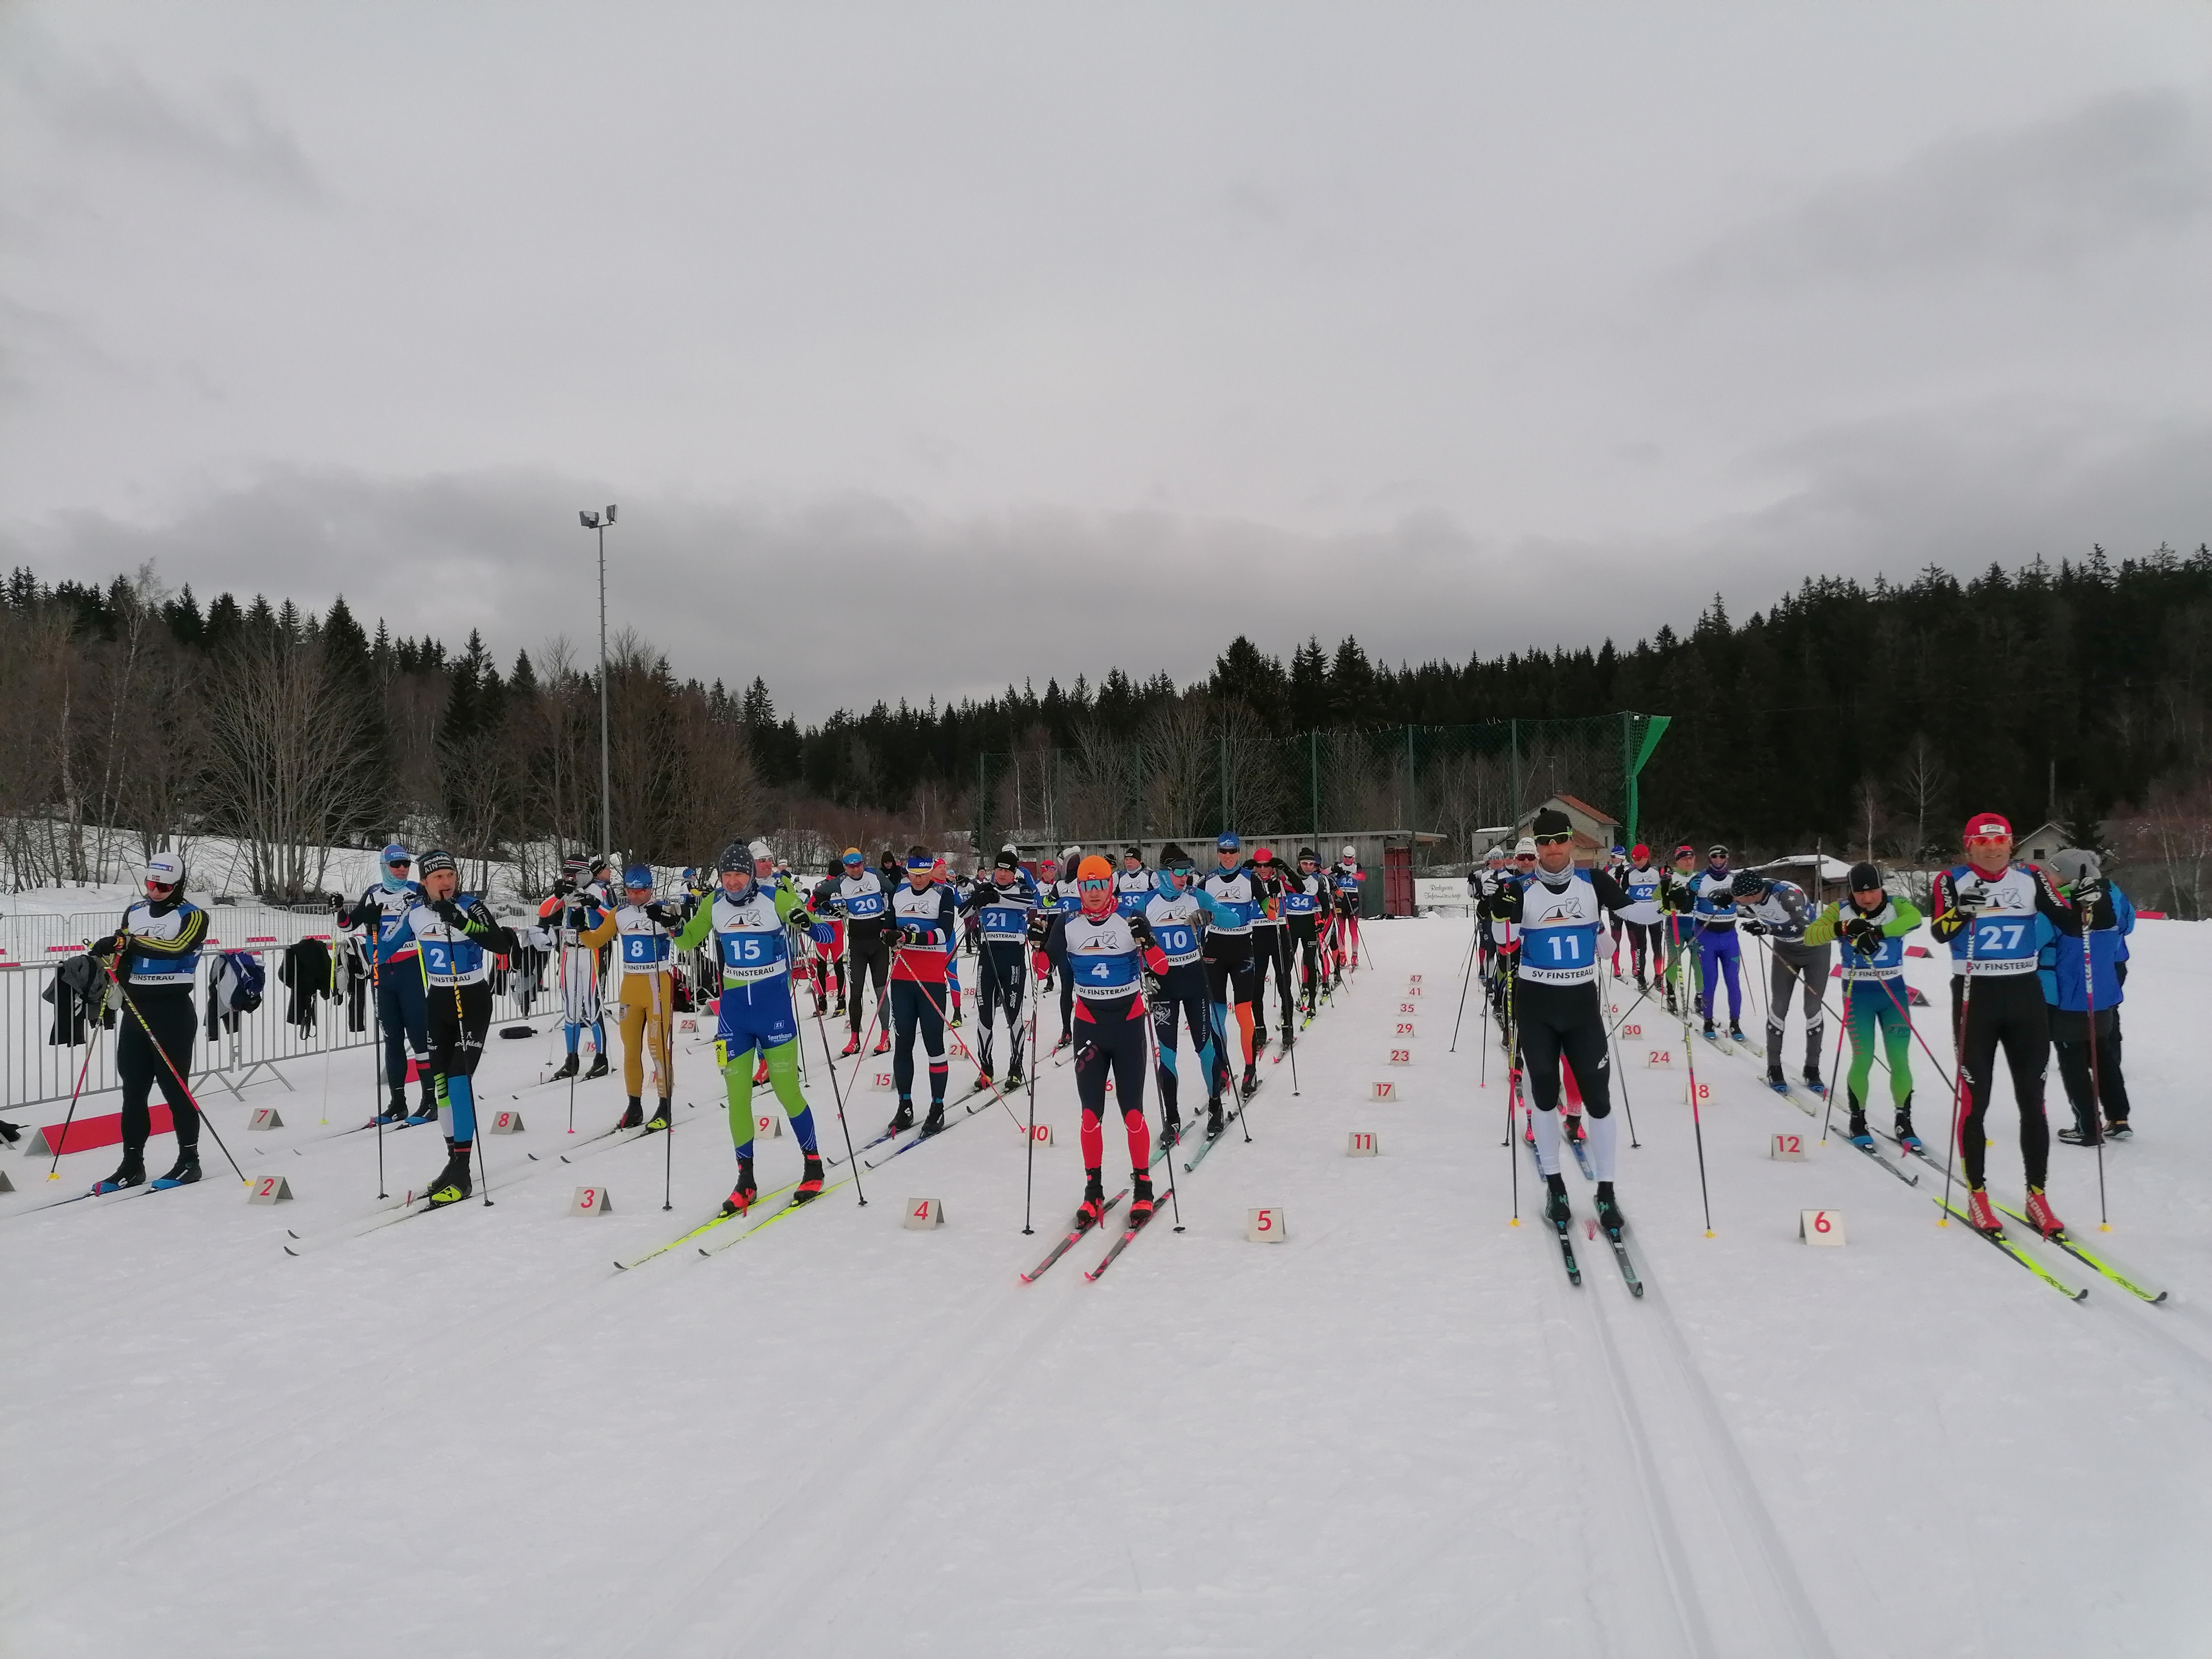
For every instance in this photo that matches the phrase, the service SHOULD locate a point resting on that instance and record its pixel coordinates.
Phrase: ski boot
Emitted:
(395, 1111)
(838, 1012)
(1858, 1135)
(2117, 1130)
(1775, 1079)
(1170, 1128)
(1609, 1218)
(599, 1067)
(934, 1122)
(1813, 1081)
(851, 1046)
(1215, 1123)
(568, 1068)
(634, 1117)
(743, 1194)
(1571, 1126)
(1064, 1041)
(1981, 1215)
(663, 1115)
(1250, 1085)
(902, 1119)
(2039, 1211)
(182, 1173)
(809, 1179)
(1735, 1032)
(1557, 1210)
(131, 1172)
(1140, 1194)
(983, 1080)
(1258, 1037)
(10, 1133)
(1013, 1077)
(759, 1071)
(1710, 1033)
(453, 1183)
(957, 1021)
(1092, 1210)
(2073, 1137)
(426, 1110)
(883, 1044)
(1905, 1137)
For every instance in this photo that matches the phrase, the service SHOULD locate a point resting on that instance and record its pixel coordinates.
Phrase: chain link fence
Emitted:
(1183, 778)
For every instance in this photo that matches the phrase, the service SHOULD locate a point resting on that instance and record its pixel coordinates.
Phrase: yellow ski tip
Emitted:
(1708, 1233)
(2104, 1226)
(1515, 1222)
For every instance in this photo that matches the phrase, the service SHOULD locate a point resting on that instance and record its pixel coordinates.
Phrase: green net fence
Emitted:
(1183, 778)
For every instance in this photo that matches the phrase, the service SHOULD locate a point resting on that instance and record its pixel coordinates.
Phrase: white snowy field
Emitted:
(1400, 1431)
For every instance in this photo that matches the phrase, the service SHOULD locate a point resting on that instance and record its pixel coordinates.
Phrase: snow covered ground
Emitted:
(1400, 1431)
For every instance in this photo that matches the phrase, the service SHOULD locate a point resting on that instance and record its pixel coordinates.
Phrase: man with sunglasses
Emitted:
(456, 931)
(155, 954)
(1350, 881)
(645, 929)
(1270, 947)
(1713, 896)
(928, 928)
(1560, 913)
(755, 1011)
(1003, 908)
(1177, 915)
(1678, 899)
(1498, 932)
(1305, 893)
(575, 905)
(861, 898)
(1061, 899)
(1231, 981)
(380, 913)
(1108, 954)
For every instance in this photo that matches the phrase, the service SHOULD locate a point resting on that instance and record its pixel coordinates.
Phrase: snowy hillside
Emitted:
(1400, 1431)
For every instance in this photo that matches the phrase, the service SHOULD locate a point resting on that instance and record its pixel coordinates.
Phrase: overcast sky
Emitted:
(927, 347)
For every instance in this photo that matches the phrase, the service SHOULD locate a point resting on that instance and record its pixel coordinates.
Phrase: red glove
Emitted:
(1156, 960)
(1042, 963)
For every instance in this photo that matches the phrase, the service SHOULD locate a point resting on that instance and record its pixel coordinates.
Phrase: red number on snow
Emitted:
(1634, 1031)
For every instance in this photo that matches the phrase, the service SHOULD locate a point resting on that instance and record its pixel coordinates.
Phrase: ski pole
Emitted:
(822, 1026)
(91, 1042)
(1697, 1119)
(1029, 1172)
(2096, 1096)
(664, 1077)
(1620, 1071)
(1473, 950)
(1482, 1078)
(183, 1087)
(1836, 1065)
(1153, 1045)
(966, 1053)
(376, 1072)
(1961, 1089)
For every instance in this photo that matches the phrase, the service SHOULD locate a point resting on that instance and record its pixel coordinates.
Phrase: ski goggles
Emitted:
(1095, 885)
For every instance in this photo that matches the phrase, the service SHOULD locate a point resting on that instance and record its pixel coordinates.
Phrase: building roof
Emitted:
(1585, 809)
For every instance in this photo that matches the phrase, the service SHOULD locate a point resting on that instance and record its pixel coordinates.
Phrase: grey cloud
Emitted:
(2126, 165)
(842, 599)
(225, 131)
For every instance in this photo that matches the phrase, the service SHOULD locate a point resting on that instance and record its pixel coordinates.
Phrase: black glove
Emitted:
(910, 934)
(1151, 984)
(1040, 926)
(1753, 926)
(563, 887)
(105, 948)
(2094, 895)
(573, 917)
(1864, 935)
(1507, 906)
(665, 916)
(1142, 930)
(451, 913)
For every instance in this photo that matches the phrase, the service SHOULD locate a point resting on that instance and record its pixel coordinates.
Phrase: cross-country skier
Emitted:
(1558, 914)
(1305, 898)
(1231, 981)
(1495, 868)
(1639, 878)
(380, 913)
(1107, 953)
(1714, 893)
(1780, 911)
(922, 910)
(1005, 907)
(1271, 946)
(1616, 865)
(750, 925)
(646, 928)
(575, 904)
(1678, 903)
(2070, 995)
(1985, 910)
(1348, 879)
(1057, 892)
(825, 932)
(864, 902)
(457, 935)
(1176, 914)
(155, 952)
(1872, 926)
(1132, 883)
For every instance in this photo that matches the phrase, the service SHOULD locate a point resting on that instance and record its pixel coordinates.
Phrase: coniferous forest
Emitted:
(1861, 716)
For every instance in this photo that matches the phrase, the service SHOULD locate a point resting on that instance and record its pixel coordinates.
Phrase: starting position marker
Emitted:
(1267, 1226)
(1362, 1143)
(270, 1189)
(1790, 1148)
(592, 1200)
(1821, 1226)
(923, 1214)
